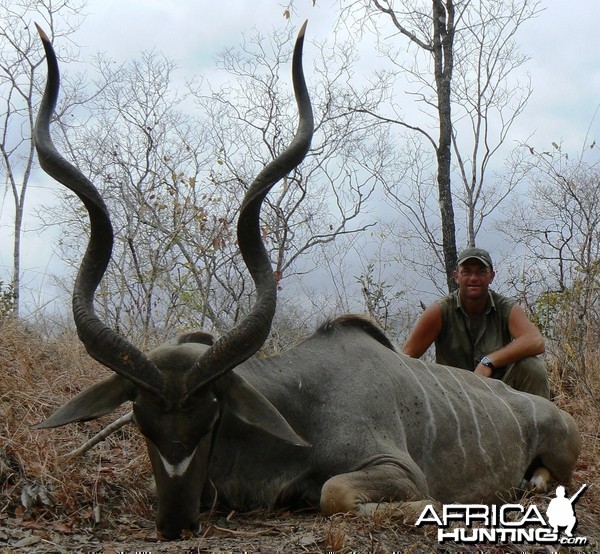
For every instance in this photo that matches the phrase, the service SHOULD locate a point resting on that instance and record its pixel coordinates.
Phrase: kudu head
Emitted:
(179, 390)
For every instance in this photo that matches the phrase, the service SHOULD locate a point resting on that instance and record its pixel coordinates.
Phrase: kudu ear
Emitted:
(249, 405)
(100, 399)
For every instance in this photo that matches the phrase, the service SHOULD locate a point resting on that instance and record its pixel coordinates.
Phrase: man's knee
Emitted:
(529, 375)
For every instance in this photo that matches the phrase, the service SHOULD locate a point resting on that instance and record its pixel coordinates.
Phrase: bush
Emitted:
(7, 300)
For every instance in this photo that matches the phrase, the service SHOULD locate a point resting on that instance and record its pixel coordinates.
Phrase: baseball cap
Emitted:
(478, 253)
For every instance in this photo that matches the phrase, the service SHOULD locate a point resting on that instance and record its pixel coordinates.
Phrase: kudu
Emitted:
(341, 420)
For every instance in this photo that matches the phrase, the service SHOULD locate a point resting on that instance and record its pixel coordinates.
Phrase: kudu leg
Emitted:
(391, 483)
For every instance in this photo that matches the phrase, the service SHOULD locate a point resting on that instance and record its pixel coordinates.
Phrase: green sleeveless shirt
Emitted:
(465, 339)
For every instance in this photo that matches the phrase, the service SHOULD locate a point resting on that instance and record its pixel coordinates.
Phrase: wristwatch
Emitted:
(487, 362)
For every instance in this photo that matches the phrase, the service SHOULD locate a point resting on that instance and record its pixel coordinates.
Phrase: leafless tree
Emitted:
(488, 95)
(20, 58)
(174, 181)
(320, 201)
(461, 73)
(557, 224)
(144, 154)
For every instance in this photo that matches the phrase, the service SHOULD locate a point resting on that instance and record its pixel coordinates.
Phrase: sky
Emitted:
(563, 43)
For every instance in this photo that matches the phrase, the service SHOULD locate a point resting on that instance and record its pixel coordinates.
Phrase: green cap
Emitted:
(478, 253)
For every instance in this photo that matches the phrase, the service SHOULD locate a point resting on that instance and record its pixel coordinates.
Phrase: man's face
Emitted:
(473, 278)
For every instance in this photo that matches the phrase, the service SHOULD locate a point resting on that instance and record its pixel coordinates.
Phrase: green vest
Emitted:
(465, 339)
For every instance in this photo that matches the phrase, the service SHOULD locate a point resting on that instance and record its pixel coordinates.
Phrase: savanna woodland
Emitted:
(412, 160)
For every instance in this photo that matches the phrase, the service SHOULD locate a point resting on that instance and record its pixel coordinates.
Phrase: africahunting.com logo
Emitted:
(514, 523)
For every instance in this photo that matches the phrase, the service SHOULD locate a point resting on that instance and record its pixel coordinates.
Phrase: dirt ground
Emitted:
(112, 528)
(262, 533)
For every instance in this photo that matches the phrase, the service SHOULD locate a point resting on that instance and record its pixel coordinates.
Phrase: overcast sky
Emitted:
(563, 43)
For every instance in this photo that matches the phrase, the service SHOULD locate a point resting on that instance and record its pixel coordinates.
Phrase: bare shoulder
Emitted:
(519, 324)
(432, 314)
(518, 315)
(425, 332)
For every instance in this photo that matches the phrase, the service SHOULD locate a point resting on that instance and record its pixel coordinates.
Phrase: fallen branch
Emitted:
(107, 431)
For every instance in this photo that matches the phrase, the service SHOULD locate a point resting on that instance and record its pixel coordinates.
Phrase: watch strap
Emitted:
(487, 362)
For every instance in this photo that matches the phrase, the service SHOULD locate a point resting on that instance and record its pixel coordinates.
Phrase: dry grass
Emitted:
(104, 501)
(38, 375)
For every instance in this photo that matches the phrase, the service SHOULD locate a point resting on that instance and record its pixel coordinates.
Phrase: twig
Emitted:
(268, 531)
(108, 430)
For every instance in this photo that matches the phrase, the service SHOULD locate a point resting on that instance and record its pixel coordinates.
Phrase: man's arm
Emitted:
(425, 332)
(527, 341)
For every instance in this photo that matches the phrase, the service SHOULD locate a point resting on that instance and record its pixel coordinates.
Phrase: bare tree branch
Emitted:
(102, 435)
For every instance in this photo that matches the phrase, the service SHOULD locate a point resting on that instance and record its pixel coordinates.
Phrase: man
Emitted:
(477, 329)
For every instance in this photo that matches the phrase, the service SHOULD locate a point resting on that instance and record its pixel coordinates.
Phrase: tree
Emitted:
(464, 56)
(250, 118)
(379, 297)
(144, 155)
(174, 182)
(558, 228)
(488, 97)
(20, 58)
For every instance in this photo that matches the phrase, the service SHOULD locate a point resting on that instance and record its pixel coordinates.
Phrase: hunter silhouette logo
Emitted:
(515, 523)
(560, 511)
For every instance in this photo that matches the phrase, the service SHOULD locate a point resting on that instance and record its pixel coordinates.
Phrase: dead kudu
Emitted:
(341, 421)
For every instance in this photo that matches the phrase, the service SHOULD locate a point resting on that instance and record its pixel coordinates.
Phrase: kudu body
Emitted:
(341, 421)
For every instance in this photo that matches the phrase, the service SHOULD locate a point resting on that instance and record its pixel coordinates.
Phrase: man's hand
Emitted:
(483, 370)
